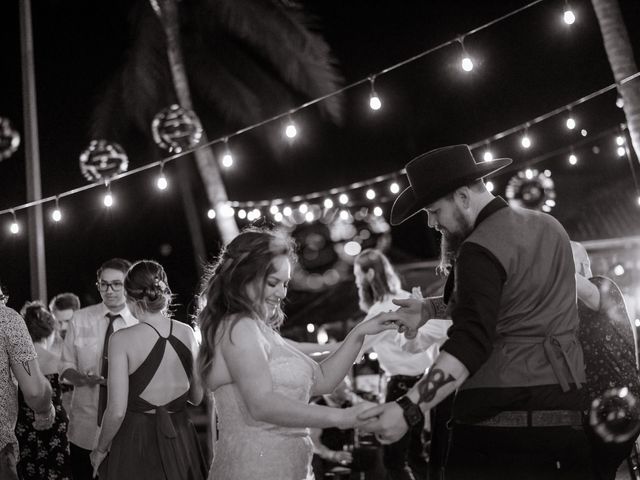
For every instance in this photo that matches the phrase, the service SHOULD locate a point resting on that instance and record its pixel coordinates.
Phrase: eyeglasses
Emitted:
(104, 286)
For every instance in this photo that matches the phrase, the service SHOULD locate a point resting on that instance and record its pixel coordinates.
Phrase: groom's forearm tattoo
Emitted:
(439, 306)
(430, 385)
(26, 367)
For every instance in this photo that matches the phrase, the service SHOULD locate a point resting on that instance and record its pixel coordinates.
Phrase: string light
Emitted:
(287, 211)
(278, 217)
(489, 186)
(620, 140)
(583, 132)
(374, 100)
(309, 217)
(303, 208)
(291, 130)
(525, 140)
(377, 211)
(466, 63)
(394, 187)
(621, 151)
(107, 200)
(344, 215)
(328, 203)
(568, 16)
(343, 198)
(371, 194)
(573, 159)
(56, 214)
(571, 122)
(227, 158)
(14, 227)
(242, 213)
(211, 213)
(487, 156)
(273, 209)
(161, 182)
(619, 102)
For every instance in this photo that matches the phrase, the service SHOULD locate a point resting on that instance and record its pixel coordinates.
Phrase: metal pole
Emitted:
(35, 230)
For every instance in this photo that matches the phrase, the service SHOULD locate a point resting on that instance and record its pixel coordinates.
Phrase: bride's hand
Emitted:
(349, 416)
(377, 324)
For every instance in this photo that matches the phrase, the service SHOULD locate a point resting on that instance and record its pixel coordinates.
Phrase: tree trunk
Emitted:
(205, 159)
(620, 55)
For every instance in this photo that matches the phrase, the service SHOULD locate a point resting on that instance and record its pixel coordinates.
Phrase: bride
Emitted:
(262, 384)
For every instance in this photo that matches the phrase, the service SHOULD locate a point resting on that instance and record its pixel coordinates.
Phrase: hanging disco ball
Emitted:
(103, 160)
(531, 189)
(615, 416)
(9, 139)
(176, 129)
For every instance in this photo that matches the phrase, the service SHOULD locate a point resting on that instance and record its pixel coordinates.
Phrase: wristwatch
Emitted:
(412, 413)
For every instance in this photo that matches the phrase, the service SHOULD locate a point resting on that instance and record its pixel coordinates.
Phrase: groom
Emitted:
(512, 353)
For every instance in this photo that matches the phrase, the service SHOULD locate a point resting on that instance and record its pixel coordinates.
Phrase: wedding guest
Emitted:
(146, 432)
(43, 454)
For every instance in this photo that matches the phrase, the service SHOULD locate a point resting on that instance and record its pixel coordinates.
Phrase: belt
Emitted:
(534, 418)
(406, 377)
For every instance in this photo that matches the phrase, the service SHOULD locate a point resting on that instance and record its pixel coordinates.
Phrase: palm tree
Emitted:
(243, 60)
(620, 55)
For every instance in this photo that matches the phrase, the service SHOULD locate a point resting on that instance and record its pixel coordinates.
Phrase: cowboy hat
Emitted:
(437, 173)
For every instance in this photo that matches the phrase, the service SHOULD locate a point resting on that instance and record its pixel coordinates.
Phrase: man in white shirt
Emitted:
(378, 284)
(84, 365)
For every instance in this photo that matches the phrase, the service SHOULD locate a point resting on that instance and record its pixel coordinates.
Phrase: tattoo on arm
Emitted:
(26, 367)
(439, 306)
(434, 380)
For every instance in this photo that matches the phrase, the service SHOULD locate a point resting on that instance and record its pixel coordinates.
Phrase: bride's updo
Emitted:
(146, 285)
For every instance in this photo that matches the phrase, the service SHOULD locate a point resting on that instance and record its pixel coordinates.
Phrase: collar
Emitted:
(126, 315)
(490, 208)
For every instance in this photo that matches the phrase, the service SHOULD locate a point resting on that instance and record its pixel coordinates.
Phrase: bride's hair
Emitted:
(224, 297)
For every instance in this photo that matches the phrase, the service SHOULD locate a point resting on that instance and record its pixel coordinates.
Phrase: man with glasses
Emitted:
(84, 361)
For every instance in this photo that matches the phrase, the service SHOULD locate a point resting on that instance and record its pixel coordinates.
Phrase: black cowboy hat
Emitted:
(437, 173)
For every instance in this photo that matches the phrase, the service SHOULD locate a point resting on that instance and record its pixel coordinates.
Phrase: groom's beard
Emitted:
(450, 243)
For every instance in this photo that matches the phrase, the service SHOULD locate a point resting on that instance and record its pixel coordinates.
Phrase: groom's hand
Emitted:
(386, 421)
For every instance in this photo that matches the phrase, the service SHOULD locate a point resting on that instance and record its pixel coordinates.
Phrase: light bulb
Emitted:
(618, 270)
(488, 156)
(621, 151)
(161, 182)
(227, 159)
(291, 131)
(583, 132)
(309, 217)
(525, 141)
(343, 198)
(377, 211)
(303, 208)
(568, 17)
(256, 213)
(242, 213)
(573, 159)
(619, 102)
(528, 173)
(311, 327)
(211, 213)
(344, 215)
(550, 202)
(108, 200)
(328, 203)
(467, 64)
(571, 123)
(619, 140)
(278, 217)
(371, 194)
(394, 187)
(14, 228)
(489, 186)
(374, 101)
(56, 215)
(286, 211)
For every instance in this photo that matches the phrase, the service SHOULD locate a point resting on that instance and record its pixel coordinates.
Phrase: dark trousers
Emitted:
(404, 459)
(80, 463)
(607, 456)
(497, 453)
(8, 468)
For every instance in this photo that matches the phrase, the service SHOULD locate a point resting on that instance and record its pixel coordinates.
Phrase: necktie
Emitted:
(104, 368)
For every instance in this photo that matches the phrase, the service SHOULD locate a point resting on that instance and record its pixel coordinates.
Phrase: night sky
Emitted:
(526, 66)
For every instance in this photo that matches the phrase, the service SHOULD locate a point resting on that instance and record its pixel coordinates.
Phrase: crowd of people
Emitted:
(493, 379)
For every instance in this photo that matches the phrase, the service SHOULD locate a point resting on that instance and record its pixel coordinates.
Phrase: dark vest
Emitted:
(538, 318)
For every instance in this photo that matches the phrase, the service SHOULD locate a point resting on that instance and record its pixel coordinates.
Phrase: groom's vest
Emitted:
(537, 322)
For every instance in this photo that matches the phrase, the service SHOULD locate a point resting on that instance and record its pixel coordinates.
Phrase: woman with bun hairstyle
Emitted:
(146, 431)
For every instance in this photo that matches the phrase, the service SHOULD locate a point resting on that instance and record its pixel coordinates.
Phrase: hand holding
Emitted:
(386, 421)
(97, 457)
(409, 315)
(350, 415)
(377, 324)
(44, 421)
(343, 457)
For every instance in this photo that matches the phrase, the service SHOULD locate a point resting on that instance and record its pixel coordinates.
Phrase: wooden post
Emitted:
(35, 228)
